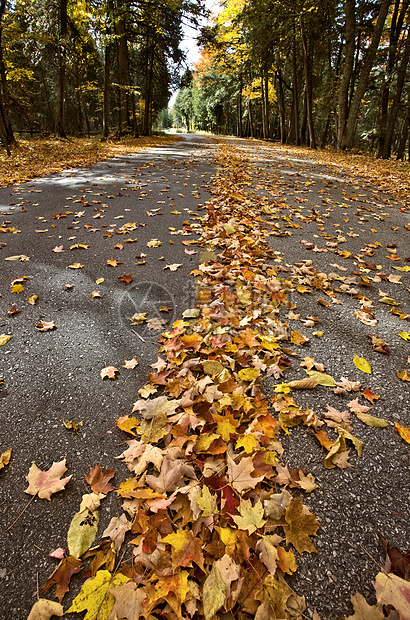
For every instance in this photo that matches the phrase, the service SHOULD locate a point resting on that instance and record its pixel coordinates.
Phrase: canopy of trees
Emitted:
(74, 66)
(313, 72)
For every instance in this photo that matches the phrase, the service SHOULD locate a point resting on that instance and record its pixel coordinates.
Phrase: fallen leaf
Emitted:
(129, 601)
(45, 326)
(61, 577)
(156, 323)
(368, 394)
(371, 420)
(186, 548)
(154, 243)
(362, 364)
(303, 384)
(214, 593)
(17, 288)
(173, 267)
(126, 278)
(95, 596)
(84, 525)
(108, 372)
(116, 530)
(76, 266)
(20, 257)
(45, 483)
(5, 458)
(392, 590)
(403, 431)
(301, 525)
(98, 479)
(79, 246)
(250, 517)
(32, 299)
(239, 475)
(72, 426)
(138, 318)
(4, 338)
(44, 609)
(364, 611)
(13, 310)
(130, 364)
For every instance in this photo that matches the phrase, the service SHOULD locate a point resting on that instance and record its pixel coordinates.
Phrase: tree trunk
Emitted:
(304, 120)
(239, 108)
(122, 70)
(395, 31)
(3, 134)
(148, 91)
(267, 104)
(250, 116)
(294, 126)
(307, 67)
(61, 56)
(263, 107)
(281, 107)
(401, 75)
(107, 89)
(404, 135)
(350, 27)
(5, 101)
(350, 128)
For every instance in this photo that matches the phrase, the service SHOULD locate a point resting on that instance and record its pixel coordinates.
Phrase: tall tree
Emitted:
(348, 132)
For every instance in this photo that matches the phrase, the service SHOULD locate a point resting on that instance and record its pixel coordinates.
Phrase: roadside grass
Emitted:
(34, 158)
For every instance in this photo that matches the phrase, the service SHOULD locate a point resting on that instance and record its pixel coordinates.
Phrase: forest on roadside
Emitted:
(305, 72)
(88, 66)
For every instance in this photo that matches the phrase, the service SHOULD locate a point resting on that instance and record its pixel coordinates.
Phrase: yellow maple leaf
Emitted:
(251, 517)
(207, 502)
(301, 525)
(248, 442)
(95, 597)
(186, 548)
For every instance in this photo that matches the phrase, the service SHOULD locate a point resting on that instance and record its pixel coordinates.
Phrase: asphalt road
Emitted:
(54, 375)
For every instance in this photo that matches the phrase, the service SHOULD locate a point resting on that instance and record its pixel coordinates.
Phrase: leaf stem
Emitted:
(21, 513)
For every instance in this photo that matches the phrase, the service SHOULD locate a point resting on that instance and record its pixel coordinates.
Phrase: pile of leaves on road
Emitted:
(30, 159)
(212, 524)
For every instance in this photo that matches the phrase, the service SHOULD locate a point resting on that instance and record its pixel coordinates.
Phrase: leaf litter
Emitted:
(205, 463)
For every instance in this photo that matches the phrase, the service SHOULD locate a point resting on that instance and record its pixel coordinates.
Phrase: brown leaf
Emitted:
(98, 479)
(126, 278)
(62, 575)
(239, 475)
(301, 525)
(129, 601)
